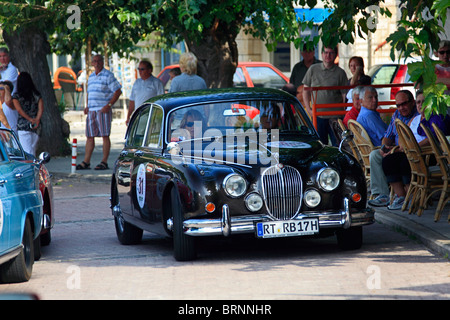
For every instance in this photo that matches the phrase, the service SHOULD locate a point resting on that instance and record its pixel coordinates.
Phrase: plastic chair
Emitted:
(65, 80)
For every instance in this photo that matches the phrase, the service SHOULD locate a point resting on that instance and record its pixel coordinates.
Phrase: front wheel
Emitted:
(184, 245)
(20, 268)
(126, 233)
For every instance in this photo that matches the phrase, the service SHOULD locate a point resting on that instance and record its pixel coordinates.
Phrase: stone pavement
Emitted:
(434, 235)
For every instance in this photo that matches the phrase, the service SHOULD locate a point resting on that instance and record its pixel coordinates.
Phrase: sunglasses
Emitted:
(444, 52)
(403, 104)
(142, 69)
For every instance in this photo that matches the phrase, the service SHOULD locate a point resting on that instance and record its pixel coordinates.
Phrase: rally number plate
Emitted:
(288, 228)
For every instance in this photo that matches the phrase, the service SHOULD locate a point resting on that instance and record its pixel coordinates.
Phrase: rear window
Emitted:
(265, 77)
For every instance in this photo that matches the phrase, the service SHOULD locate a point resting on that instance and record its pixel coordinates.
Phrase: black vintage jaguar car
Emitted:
(232, 161)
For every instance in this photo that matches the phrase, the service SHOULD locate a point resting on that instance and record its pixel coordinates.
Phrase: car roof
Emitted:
(172, 100)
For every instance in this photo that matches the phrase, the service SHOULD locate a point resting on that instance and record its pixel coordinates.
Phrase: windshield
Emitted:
(234, 117)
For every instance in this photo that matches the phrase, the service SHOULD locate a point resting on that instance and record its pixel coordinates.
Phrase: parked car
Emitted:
(203, 163)
(390, 74)
(22, 218)
(248, 74)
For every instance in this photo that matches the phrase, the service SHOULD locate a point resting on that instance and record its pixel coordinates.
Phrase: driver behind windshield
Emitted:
(270, 117)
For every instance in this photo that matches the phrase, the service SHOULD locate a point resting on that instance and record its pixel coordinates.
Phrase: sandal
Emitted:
(101, 166)
(83, 166)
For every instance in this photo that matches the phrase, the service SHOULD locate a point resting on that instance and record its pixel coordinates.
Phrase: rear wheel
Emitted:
(20, 268)
(126, 233)
(350, 239)
(184, 245)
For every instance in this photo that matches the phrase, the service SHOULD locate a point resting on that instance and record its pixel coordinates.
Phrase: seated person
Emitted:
(406, 111)
(354, 111)
(396, 165)
(192, 119)
(369, 117)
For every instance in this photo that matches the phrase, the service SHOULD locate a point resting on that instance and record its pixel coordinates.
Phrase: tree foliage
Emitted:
(418, 36)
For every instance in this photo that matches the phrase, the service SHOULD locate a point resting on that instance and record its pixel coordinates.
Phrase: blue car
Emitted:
(21, 208)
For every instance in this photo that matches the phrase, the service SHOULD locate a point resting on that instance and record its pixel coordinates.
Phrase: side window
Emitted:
(154, 137)
(139, 126)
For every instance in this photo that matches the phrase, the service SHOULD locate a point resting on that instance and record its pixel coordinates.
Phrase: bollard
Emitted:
(74, 155)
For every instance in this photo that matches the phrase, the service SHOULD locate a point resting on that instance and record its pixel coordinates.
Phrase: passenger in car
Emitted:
(192, 120)
(270, 117)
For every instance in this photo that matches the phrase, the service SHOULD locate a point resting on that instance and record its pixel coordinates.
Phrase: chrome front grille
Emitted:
(282, 191)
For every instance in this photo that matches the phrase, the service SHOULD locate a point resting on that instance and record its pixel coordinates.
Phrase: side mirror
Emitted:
(174, 149)
(347, 135)
(44, 157)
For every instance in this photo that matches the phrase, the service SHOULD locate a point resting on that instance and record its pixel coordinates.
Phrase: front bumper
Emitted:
(247, 224)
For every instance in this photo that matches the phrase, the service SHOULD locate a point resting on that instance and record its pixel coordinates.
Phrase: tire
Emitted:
(184, 245)
(350, 239)
(20, 268)
(126, 233)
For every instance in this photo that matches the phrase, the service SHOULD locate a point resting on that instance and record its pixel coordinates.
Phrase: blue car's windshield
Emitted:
(228, 118)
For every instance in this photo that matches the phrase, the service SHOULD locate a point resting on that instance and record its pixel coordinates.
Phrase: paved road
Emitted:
(85, 261)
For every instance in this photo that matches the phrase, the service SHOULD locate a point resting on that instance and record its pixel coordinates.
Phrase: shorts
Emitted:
(98, 124)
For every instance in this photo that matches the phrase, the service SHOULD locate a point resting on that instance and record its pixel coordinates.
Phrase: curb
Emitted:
(431, 239)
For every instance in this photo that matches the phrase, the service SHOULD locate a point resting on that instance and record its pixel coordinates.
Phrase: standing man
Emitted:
(300, 68)
(103, 91)
(7, 70)
(325, 74)
(144, 88)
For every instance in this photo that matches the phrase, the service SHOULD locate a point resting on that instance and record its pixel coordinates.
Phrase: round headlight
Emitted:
(234, 185)
(254, 202)
(312, 198)
(328, 179)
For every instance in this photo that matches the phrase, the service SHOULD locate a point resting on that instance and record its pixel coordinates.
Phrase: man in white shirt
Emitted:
(144, 88)
(7, 70)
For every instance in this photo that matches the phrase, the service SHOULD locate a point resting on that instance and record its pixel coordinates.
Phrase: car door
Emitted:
(18, 191)
(142, 179)
(126, 162)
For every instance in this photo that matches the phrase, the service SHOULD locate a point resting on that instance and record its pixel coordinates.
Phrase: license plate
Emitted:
(288, 228)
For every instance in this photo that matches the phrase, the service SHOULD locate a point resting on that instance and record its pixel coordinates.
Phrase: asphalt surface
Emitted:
(434, 235)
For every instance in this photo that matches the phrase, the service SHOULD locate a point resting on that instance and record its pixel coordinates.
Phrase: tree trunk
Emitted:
(217, 56)
(28, 51)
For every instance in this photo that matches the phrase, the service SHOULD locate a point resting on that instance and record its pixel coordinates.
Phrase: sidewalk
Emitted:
(434, 235)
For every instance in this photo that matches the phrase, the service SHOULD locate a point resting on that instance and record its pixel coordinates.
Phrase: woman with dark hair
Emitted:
(29, 104)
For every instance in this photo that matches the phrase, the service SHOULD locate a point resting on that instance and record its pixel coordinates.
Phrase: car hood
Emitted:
(252, 154)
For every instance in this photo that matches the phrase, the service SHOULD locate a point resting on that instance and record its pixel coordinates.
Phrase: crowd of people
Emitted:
(22, 108)
(389, 165)
(21, 103)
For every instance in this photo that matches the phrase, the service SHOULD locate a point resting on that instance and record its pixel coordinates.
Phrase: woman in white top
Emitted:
(7, 106)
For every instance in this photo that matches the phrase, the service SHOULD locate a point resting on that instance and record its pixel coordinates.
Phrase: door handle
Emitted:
(3, 181)
(139, 153)
(19, 175)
